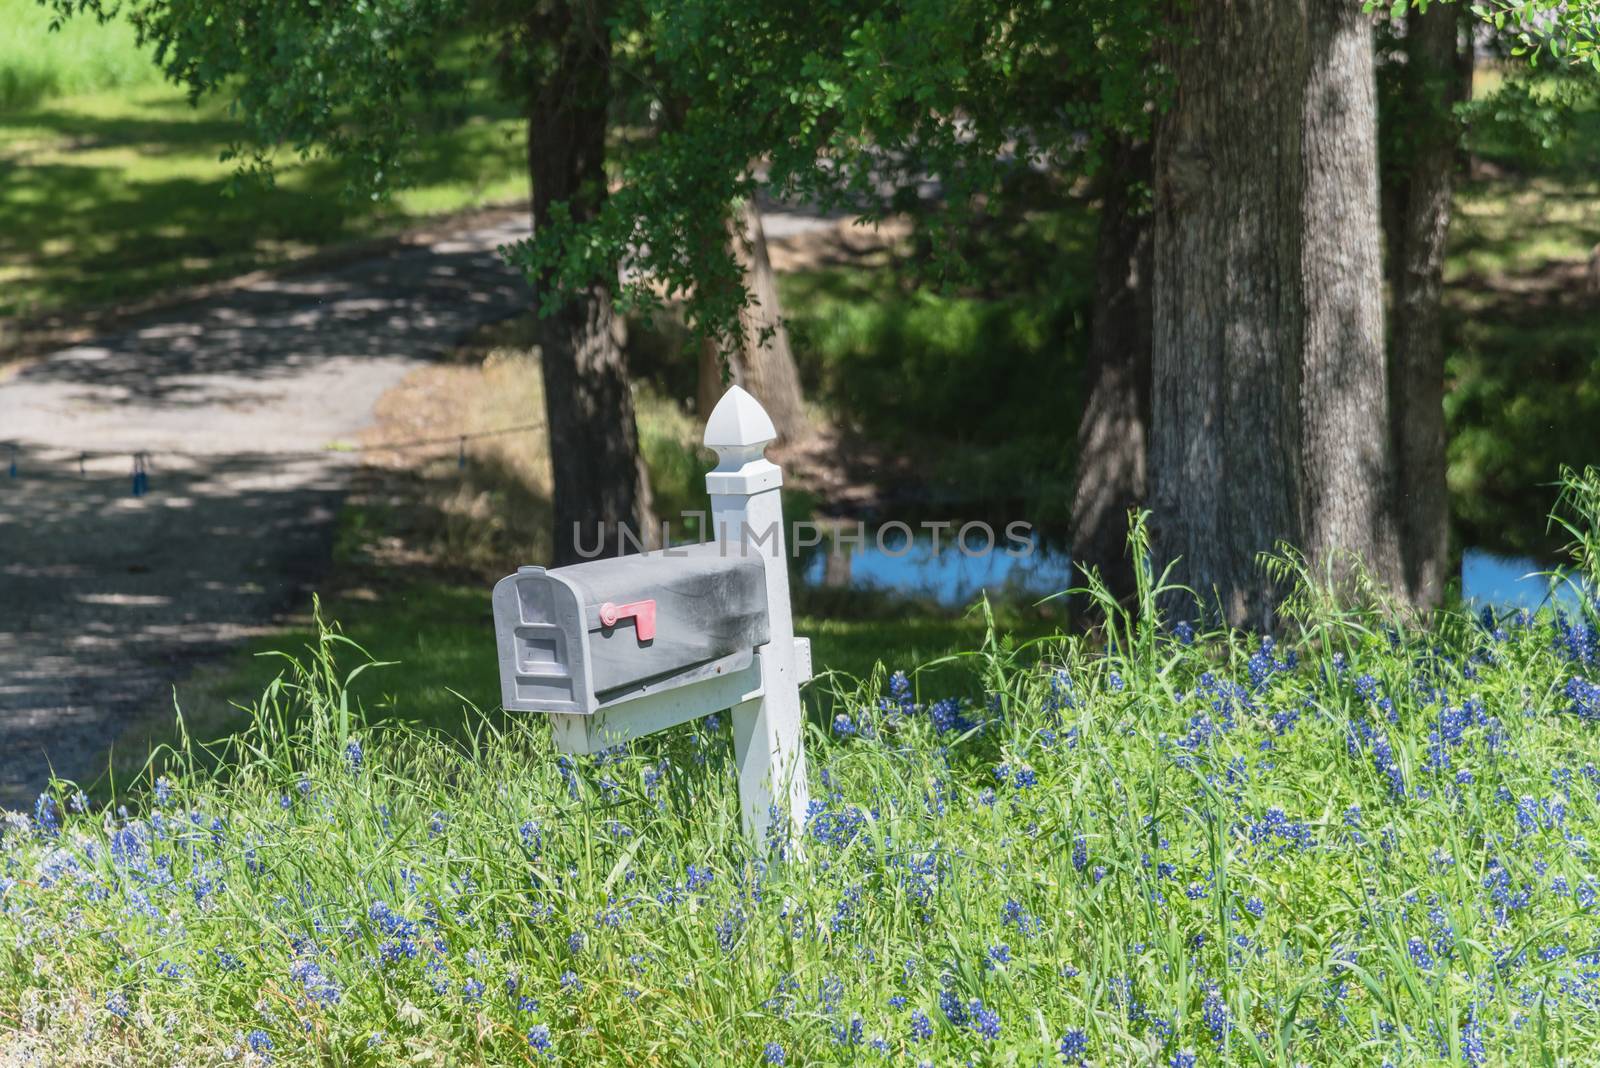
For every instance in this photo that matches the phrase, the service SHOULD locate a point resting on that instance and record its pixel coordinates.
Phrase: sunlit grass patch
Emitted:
(115, 195)
(83, 56)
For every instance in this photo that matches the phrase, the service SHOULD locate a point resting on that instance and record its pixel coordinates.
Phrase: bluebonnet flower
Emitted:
(1184, 632)
(731, 925)
(1263, 665)
(985, 1020)
(1075, 1042)
(849, 1034)
(117, 1004)
(1575, 641)
(539, 1038)
(1255, 907)
(1183, 1058)
(163, 791)
(317, 986)
(843, 725)
(773, 1053)
(953, 1010)
(946, 716)
(999, 954)
(353, 756)
(1014, 915)
(1025, 777)
(260, 1043)
(921, 1026)
(47, 815)
(472, 989)
(830, 991)
(836, 828)
(1472, 1047)
(1062, 693)
(1214, 1011)
(127, 845)
(1283, 721)
(1585, 698)
(1280, 833)
(568, 774)
(571, 982)
(900, 688)
(1420, 956)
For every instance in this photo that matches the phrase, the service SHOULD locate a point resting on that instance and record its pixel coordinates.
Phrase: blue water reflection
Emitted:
(1510, 582)
(950, 577)
(943, 573)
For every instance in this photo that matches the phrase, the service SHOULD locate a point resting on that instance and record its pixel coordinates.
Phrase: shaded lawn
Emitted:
(1523, 329)
(974, 377)
(115, 195)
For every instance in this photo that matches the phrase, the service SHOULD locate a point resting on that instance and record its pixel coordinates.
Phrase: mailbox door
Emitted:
(710, 613)
(540, 636)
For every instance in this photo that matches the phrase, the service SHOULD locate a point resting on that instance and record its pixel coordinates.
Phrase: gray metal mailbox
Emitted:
(574, 639)
(614, 650)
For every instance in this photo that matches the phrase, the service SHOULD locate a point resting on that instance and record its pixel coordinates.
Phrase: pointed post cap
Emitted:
(738, 422)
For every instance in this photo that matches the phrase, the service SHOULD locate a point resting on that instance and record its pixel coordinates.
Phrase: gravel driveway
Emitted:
(104, 596)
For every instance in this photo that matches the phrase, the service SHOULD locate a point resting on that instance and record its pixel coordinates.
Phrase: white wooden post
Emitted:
(747, 518)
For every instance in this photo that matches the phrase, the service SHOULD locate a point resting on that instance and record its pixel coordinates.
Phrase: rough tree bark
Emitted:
(598, 475)
(1112, 448)
(1228, 319)
(764, 365)
(1419, 219)
(1349, 459)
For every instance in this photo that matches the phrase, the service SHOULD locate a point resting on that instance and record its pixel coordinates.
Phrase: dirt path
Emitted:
(104, 596)
(107, 599)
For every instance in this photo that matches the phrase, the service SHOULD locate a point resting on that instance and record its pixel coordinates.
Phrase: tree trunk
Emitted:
(1420, 220)
(600, 487)
(1229, 318)
(1116, 414)
(1349, 459)
(765, 363)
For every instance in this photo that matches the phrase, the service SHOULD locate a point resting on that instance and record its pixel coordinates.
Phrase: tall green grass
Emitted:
(84, 56)
(1365, 843)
